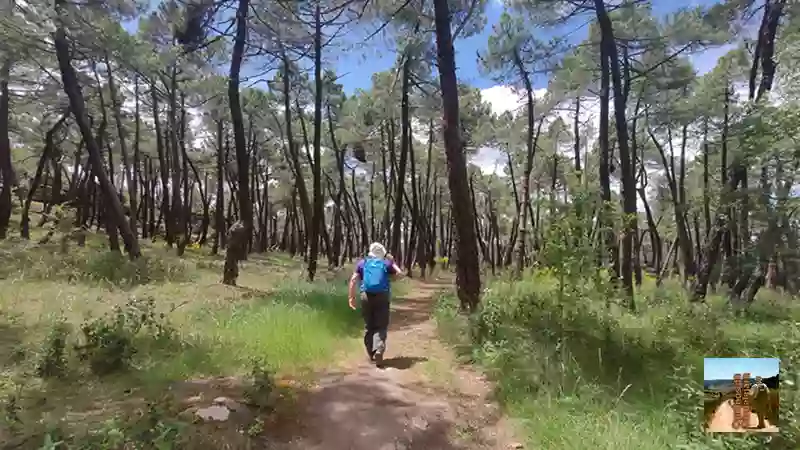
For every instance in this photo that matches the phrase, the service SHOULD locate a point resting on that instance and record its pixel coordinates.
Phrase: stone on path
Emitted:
(219, 413)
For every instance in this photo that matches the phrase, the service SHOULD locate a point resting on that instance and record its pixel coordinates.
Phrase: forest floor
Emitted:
(276, 362)
(421, 398)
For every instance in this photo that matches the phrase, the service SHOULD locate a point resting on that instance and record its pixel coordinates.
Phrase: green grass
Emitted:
(578, 371)
(274, 321)
(291, 331)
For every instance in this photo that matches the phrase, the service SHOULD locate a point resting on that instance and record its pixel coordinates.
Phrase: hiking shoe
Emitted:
(377, 358)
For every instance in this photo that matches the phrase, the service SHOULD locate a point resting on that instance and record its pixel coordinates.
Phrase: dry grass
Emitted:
(274, 320)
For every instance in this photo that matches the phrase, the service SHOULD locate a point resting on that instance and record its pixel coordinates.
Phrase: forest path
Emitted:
(422, 398)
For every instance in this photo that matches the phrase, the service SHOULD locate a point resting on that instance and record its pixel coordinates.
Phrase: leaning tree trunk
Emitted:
(73, 91)
(468, 278)
(49, 148)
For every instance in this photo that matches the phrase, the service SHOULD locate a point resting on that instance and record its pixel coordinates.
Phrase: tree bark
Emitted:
(318, 209)
(628, 178)
(9, 178)
(73, 91)
(468, 281)
(240, 144)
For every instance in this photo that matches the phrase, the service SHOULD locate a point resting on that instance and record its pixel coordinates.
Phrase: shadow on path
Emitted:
(370, 410)
(402, 362)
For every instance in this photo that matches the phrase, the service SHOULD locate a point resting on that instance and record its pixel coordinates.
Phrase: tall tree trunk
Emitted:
(130, 180)
(319, 210)
(9, 178)
(468, 280)
(176, 208)
(337, 200)
(405, 142)
(163, 167)
(605, 221)
(219, 206)
(576, 131)
(706, 197)
(237, 247)
(679, 209)
(291, 145)
(237, 121)
(184, 210)
(134, 188)
(628, 177)
(531, 153)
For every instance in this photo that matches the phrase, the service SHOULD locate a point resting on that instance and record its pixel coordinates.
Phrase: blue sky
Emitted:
(357, 67)
(725, 368)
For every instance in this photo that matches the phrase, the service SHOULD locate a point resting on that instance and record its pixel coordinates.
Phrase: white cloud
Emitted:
(502, 98)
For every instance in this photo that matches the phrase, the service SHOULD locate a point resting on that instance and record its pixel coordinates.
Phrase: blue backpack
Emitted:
(376, 277)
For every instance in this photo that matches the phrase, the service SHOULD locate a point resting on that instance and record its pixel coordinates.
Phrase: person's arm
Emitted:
(351, 297)
(354, 280)
(396, 271)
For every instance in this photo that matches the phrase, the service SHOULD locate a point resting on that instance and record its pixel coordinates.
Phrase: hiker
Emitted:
(374, 274)
(759, 401)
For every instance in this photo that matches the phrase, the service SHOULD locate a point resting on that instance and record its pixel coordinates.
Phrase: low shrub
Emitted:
(109, 341)
(155, 427)
(52, 360)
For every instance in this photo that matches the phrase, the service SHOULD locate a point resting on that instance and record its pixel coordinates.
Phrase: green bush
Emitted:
(153, 428)
(109, 341)
(634, 378)
(53, 358)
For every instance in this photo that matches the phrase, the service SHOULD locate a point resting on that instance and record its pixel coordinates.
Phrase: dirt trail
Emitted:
(421, 399)
(722, 421)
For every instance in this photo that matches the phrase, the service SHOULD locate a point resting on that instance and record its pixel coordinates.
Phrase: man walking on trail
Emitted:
(374, 274)
(759, 402)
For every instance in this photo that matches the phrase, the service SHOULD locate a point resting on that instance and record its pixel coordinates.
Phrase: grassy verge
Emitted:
(91, 345)
(578, 370)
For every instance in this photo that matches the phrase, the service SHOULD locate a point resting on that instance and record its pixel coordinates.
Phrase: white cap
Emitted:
(377, 250)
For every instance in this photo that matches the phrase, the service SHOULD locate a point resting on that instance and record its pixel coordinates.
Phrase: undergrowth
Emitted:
(579, 366)
(43, 262)
(90, 342)
(579, 373)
